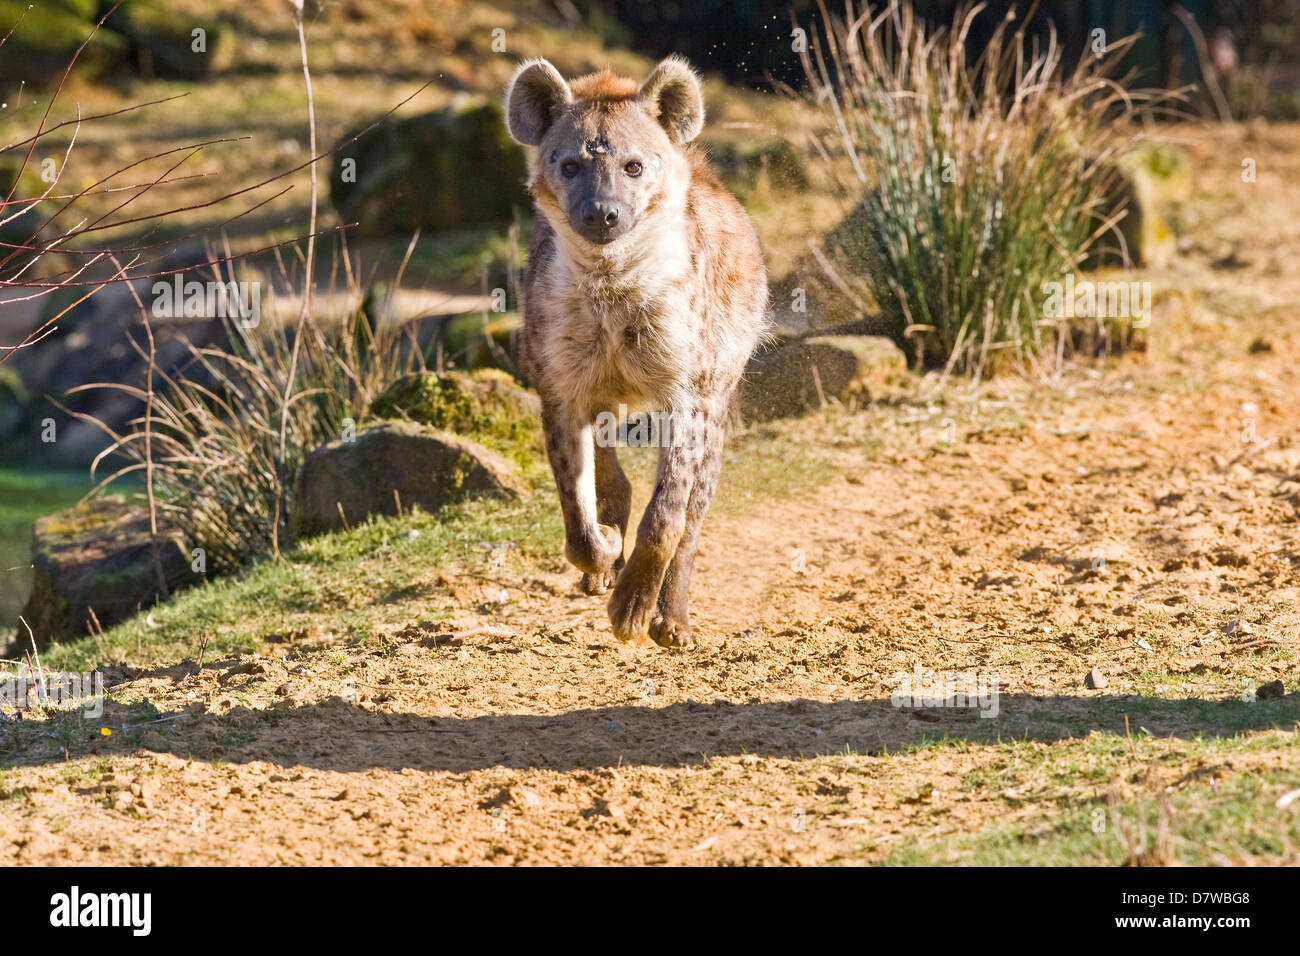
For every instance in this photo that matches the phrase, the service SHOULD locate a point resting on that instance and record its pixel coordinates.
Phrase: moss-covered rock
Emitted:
(164, 43)
(13, 401)
(486, 406)
(471, 343)
(444, 170)
(346, 481)
(25, 212)
(48, 35)
(749, 165)
(794, 378)
(98, 557)
(1155, 183)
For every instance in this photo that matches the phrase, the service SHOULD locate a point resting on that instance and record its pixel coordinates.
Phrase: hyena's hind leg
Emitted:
(591, 546)
(613, 506)
(671, 626)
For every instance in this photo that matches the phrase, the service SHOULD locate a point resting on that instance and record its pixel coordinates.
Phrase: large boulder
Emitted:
(347, 480)
(98, 557)
(795, 378)
(449, 169)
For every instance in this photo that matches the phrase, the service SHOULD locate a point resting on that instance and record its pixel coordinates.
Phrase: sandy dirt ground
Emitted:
(1122, 516)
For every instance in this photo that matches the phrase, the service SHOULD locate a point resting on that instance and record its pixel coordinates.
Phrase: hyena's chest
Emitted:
(623, 339)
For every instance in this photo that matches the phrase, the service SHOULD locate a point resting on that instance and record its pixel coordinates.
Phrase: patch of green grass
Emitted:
(344, 583)
(1195, 820)
(1196, 827)
(344, 576)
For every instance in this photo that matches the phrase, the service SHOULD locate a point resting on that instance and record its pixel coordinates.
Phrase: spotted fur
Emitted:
(645, 288)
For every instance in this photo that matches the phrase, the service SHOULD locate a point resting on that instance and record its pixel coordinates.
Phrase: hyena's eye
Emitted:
(569, 168)
(633, 168)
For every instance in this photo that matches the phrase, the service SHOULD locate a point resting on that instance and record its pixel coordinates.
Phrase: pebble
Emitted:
(1271, 691)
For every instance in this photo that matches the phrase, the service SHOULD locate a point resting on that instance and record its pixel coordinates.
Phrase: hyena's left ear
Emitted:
(673, 95)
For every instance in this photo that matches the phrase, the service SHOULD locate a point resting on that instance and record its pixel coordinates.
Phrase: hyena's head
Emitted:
(608, 149)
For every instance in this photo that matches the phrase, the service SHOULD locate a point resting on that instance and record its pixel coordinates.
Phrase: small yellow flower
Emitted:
(105, 732)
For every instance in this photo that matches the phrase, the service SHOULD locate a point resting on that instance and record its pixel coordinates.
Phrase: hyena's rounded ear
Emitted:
(673, 95)
(534, 98)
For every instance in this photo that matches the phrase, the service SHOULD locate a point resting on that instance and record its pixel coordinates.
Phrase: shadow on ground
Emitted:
(337, 735)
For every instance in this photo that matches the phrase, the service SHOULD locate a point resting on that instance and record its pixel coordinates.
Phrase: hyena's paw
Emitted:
(631, 609)
(602, 581)
(597, 583)
(669, 632)
(598, 556)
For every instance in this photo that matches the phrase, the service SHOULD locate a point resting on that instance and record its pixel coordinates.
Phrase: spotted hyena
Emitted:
(645, 289)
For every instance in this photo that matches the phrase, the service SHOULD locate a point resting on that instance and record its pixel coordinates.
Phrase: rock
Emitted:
(43, 44)
(145, 791)
(161, 42)
(1237, 626)
(145, 36)
(13, 400)
(97, 555)
(1095, 679)
(486, 406)
(470, 343)
(782, 383)
(1271, 691)
(153, 740)
(483, 406)
(748, 165)
(349, 480)
(92, 343)
(23, 218)
(1155, 181)
(1228, 558)
(444, 170)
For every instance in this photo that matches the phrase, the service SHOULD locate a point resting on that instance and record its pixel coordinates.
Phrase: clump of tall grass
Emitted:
(973, 176)
(220, 442)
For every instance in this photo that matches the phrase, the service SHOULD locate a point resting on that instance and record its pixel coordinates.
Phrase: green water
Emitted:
(24, 497)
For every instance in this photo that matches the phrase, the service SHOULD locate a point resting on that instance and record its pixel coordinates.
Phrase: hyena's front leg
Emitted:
(592, 547)
(671, 626)
(636, 594)
(613, 505)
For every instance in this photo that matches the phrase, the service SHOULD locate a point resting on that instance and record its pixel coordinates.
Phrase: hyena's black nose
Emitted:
(596, 213)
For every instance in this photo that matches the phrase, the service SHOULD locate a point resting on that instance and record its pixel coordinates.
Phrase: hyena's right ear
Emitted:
(534, 98)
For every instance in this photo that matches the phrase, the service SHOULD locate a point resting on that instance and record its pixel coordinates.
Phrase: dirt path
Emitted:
(1021, 534)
